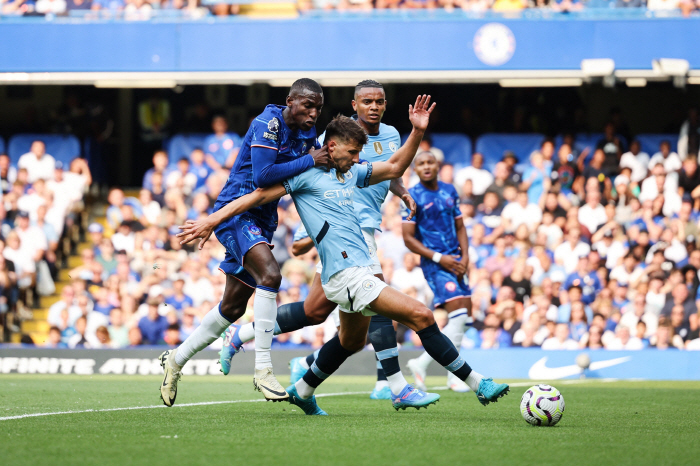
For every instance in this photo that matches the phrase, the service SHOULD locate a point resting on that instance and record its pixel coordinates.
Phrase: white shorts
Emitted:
(368, 234)
(335, 315)
(354, 289)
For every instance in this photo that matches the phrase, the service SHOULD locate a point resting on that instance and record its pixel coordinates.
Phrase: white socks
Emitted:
(247, 332)
(265, 312)
(423, 360)
(454, 330)
(397, 382)
(381, 384)
(304, 389)
(473, 380)
(208, 331)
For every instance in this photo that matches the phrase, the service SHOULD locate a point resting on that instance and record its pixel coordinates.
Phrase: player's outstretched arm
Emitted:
(203, 228)
(419, 114)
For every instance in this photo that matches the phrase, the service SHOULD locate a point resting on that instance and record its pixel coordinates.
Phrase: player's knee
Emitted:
(271, 277)
(422, 317)
(316, 316)
(353, 343)
(232, 311)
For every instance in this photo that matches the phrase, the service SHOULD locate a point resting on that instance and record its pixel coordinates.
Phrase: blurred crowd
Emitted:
(41, 204)
(145, 9)
(568, 250)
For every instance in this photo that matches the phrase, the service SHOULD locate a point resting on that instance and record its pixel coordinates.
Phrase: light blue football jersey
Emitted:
(368, 201)
(325, 205)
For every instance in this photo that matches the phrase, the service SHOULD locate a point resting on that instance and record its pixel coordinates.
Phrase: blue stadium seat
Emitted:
(63, 148)
(457, 147)
(181, 145)
(493, 145)
(650, 142)
(2, 146)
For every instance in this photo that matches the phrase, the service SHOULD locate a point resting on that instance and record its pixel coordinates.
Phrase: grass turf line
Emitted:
(604, 423)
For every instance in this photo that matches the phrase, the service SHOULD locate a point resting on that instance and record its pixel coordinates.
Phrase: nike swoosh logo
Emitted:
(268, 331)
(540, 371)
(276, 393)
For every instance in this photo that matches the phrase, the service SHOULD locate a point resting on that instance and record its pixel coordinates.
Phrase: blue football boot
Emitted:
(296, 370)
(413, 398)
(308, 405)
(490, 391)
(232, 345)
(383, 393)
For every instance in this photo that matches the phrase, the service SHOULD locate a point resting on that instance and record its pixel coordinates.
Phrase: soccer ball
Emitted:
(542, 405)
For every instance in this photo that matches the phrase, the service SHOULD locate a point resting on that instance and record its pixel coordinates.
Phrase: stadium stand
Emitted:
(493, 146)
(63, 148)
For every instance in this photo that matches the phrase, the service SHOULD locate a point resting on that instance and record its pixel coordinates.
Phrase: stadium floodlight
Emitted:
(598, 67)
(636, 82)
(670, 66)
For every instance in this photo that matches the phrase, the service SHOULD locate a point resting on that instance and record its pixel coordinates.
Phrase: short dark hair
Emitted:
(345, 129)
(368, 83)
(303, 84)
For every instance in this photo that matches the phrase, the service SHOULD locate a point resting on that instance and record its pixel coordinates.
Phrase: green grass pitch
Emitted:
(617, 423)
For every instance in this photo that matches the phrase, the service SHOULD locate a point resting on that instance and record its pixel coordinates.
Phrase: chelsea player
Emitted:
(383, 140)
(280, 143)
(324, 201)
(437, 233)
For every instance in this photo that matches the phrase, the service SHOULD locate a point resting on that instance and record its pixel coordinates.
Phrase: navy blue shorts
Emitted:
(444, 284)
(238, 235)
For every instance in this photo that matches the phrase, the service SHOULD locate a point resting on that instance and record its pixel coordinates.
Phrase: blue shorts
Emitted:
(238, 235)
(444, 284)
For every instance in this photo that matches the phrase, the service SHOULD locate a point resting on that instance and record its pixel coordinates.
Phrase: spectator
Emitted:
(179, 300)
(55, 7)
(8, 173)
(54, 339)
(118, 332)
(182, 178)
(160, 165)
(221, 147)
(536, 178)
(635, 159)
(669, 159)
(135, 338)
(592, 215)
(481, 179)
(153, 325)
(624, 341)
(37, 162)
(567, 254)
(679, 297)
(560, 340)
(521, 212)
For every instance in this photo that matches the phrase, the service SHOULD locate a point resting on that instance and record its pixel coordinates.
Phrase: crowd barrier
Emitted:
(511, 363)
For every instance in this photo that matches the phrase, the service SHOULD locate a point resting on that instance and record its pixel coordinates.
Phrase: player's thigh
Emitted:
(459, 303)
(397, 306)
(262, 266)
(317, 306)
(236, 296)
(353, 330)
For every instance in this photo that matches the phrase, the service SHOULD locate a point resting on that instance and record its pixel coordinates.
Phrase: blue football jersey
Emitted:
(435, 217)
(368, 202)
(221, 147)
(325, 204)
(268, 130)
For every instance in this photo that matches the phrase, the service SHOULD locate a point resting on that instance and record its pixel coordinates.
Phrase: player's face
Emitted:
(370, 104)
(305, 108)
(427, 167)
(344, 154)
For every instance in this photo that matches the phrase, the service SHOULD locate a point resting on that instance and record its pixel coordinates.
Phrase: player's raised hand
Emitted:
(419, 113)
(192, 230)
(322, 158)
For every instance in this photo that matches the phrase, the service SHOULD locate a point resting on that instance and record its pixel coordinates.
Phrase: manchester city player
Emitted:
(277, 146)
(370, 104)
(437, 233)
(324, 202)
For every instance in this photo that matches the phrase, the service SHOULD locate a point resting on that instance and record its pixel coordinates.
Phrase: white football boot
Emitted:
(264, 381)
(418, 374)
(168, 390)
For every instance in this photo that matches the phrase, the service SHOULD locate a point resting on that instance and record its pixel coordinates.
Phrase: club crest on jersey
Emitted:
(255, 230)
(450, 202)
(368, 284)
(450, 286)
(393, 147)
(378, 148)
(273, 125)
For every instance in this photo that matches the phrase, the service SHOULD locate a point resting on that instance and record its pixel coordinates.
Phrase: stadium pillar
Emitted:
(125, 130)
